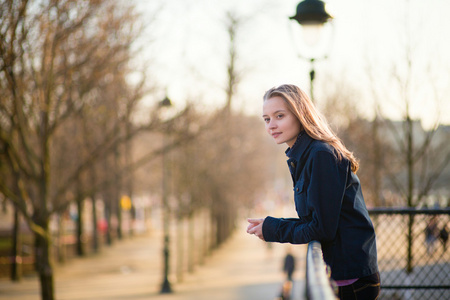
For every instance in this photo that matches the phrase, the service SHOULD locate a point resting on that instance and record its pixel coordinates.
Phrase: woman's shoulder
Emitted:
(320, 149)
(318, 146)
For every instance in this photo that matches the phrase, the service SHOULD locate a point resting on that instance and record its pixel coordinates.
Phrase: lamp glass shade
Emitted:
(312, 33)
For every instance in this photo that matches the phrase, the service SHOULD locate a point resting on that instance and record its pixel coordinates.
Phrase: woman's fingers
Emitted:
(253, 224)
(255, 227)
(255, 221)
(251, 228)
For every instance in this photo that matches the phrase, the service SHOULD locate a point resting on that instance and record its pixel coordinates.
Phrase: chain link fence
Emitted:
(413, 254)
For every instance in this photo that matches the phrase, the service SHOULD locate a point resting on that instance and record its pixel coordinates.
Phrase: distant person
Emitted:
(431, 234)
(327, 194)
(289, 265)
(443, 236)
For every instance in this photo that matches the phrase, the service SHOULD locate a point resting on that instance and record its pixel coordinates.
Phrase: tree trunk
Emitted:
(16, 266)
(117, 190)
(410, 190)
(95, 239)
(377, 161)
(180, 249)
(79, 231)
(4, 209)
(206, 235)
(43, 264)
(95, 235)
(61, 245)
(108, 196)
(409, 267)
(108, 232)
(191, 243)
(214, 228)
(129, 175)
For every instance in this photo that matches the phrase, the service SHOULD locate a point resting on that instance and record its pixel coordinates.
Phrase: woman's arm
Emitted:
(324, 195)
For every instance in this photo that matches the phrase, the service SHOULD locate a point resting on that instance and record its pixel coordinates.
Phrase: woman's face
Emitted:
(281, 123)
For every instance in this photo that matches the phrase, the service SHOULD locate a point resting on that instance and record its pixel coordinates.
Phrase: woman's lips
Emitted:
(276, 134)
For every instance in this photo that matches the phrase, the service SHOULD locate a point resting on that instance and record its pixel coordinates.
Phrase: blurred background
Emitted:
(122, 117)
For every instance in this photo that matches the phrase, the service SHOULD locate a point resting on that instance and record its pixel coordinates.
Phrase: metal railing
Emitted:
(413, 256)
(318, 283)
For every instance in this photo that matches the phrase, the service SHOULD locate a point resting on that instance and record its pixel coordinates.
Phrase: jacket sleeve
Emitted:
(324, 196)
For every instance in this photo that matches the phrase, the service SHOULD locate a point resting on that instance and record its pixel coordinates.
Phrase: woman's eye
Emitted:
(279, 116)
(266, 120)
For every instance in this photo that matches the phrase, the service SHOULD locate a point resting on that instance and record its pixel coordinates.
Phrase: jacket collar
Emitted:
(301, 143)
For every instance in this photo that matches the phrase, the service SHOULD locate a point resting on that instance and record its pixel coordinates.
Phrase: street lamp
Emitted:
(311, 15)
(165, 286)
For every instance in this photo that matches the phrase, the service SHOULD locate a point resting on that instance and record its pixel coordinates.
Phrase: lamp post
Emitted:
(165, 286)
(311, 15)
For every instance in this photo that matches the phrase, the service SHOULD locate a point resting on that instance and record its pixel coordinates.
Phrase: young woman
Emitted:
(327, 194)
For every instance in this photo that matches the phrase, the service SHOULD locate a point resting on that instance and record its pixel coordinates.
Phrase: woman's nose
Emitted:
(272, 124)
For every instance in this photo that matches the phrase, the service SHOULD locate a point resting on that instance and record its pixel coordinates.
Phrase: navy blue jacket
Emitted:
(330, 208)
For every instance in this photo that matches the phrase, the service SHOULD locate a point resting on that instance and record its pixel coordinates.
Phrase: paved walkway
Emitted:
(243, 268)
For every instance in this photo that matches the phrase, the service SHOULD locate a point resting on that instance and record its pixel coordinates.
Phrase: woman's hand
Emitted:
(255, 227)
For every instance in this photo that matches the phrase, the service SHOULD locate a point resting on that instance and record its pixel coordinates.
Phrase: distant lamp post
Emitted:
(311, 15)
(165, 102)
(165, 287)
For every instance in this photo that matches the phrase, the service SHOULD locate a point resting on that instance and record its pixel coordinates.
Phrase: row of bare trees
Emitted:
(65, 96)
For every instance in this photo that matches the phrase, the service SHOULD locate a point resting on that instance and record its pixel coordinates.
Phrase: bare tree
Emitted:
(233, 24)
(416, 169)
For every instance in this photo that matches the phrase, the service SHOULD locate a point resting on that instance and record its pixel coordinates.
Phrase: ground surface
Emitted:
(243, 268)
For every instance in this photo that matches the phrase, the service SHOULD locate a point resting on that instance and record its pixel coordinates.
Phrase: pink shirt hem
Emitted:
(346, 282)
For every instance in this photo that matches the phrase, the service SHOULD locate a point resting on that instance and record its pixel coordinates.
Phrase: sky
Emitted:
(368, 53)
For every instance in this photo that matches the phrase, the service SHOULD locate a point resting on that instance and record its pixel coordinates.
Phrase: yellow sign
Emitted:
(125, 202)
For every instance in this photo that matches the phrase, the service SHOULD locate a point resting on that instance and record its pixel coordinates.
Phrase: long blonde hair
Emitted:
(311, 120)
